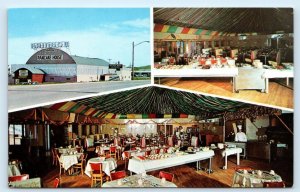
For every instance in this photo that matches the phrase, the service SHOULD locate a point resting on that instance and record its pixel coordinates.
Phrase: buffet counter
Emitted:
(249, 78)
(141, 166)
(258, 78)
(196, 72)
(241, 145)
(244, 78)
(277, 73)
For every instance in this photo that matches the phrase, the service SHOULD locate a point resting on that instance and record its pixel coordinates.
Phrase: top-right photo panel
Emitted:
(243, 54)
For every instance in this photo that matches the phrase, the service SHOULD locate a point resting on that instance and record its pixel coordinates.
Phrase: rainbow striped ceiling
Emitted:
(191, 31)
(150, 103)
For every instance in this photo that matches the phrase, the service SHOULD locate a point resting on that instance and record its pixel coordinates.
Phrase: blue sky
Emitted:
(105, 33)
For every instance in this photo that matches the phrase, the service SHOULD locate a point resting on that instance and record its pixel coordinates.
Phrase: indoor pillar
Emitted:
(87, 128)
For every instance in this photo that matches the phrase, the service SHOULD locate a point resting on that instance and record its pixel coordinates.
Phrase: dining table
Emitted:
(103, 148)
(62, 150)
(68, 160)
(254, 178)
(29, 183)
(231, 151)
(142, 152)
(108, 165)
(129, 143)
(139, 180)
(178, 158)
(102, 142)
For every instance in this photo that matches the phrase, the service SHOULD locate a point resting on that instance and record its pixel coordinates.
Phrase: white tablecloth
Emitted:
(213, 72)
(65, 150)
(252, 179)
(138, 166)
(134, 153)
(132, 181)
(69, 160)
(232, 151)
(107, 165)
(276, 73)
(13, 170)
(105, 148)
(29, 183)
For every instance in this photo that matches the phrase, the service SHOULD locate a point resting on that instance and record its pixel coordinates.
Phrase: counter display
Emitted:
(246, 77)
(241, 145)
(249, 78)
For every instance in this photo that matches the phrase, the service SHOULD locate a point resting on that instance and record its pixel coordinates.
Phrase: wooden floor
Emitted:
(186, 176)
(278, 96)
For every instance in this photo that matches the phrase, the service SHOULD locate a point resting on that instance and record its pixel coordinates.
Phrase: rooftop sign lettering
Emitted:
(44, 45)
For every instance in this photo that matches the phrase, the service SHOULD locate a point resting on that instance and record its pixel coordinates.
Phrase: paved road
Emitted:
(29, 96)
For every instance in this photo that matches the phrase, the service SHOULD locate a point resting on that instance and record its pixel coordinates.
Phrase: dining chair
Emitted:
(61, 166)
(157, 151)
(96, 173)
(127, 157)
(166, 149)
(81, 163)
(54, 153)
(166, 175)
(147, 153)
(278, 184)
(79, 149)
(113, 151)
(117, 175)
(56, 182)
(18, 178)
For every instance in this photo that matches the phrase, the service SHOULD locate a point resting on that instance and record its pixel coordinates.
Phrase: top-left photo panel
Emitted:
(58, 54)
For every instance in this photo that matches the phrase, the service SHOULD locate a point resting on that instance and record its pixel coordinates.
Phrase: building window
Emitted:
(51, 78)
(15, 134)
(68, 79)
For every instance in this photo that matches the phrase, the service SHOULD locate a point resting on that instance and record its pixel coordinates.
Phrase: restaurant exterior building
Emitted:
(56, 65)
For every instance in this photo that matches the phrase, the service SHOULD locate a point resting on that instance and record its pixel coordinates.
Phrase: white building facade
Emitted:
(59, 66)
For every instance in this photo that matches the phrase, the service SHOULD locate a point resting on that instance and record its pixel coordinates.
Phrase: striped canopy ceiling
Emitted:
(190, 31)
(226, 20)
(150, 102)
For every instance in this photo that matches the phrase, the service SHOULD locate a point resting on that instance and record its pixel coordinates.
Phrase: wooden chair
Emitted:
(166, 175)
(113, 151)
(157, 151)
(18, 178)
(279, 184)
(117, 175)
(56, 182)
(79, 149)
(61, 167)
(54, 153)
(127, 157)
(96, 173)
(166, 149)
(81, 163)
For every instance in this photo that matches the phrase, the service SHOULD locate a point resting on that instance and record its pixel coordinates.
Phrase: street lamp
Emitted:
(132, 64)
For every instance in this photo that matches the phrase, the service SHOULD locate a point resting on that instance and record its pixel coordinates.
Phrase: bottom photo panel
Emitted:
(150, 137)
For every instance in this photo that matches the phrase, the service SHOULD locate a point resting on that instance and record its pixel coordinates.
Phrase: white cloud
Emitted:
(139, 23)
(101, 43)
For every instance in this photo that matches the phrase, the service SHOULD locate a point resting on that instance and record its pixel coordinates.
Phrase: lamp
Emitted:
(173, 36)
(132, 64)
